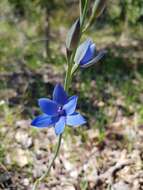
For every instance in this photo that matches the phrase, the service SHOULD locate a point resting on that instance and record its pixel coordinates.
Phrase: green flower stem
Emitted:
(38, 181)
(68, 77)
(66, 86)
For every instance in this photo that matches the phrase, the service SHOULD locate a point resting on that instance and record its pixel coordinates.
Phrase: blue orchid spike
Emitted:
(58, 112)
(86, 54)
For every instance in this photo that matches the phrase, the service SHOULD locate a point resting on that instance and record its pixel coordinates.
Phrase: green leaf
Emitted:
(83, 11)
(82, 4)
(73, 35)
(98, 8)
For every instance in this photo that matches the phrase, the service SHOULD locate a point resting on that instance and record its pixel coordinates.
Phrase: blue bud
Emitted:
(87, 55)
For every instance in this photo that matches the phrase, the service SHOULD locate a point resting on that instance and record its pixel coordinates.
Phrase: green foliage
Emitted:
(134, 10)
(121, 10)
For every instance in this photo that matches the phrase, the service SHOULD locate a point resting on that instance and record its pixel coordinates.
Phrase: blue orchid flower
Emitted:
(86, 54)
(58, 112)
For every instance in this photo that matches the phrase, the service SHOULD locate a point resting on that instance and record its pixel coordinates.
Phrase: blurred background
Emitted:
(32, 61)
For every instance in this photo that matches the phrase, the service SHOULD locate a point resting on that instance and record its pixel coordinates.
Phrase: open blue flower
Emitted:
(87, 55)
(58, 112)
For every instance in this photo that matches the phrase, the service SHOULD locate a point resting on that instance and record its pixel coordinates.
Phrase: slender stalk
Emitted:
(66, 86)
(68, 78)
(50, 165)
(80, 8)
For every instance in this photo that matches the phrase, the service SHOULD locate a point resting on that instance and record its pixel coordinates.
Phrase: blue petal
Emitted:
(44, 121)
(59, 95)
(75, 120)
(60, 125)
(71, 105)
(89, 55)
(48, 106)
(97, 58)
(81, 51)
